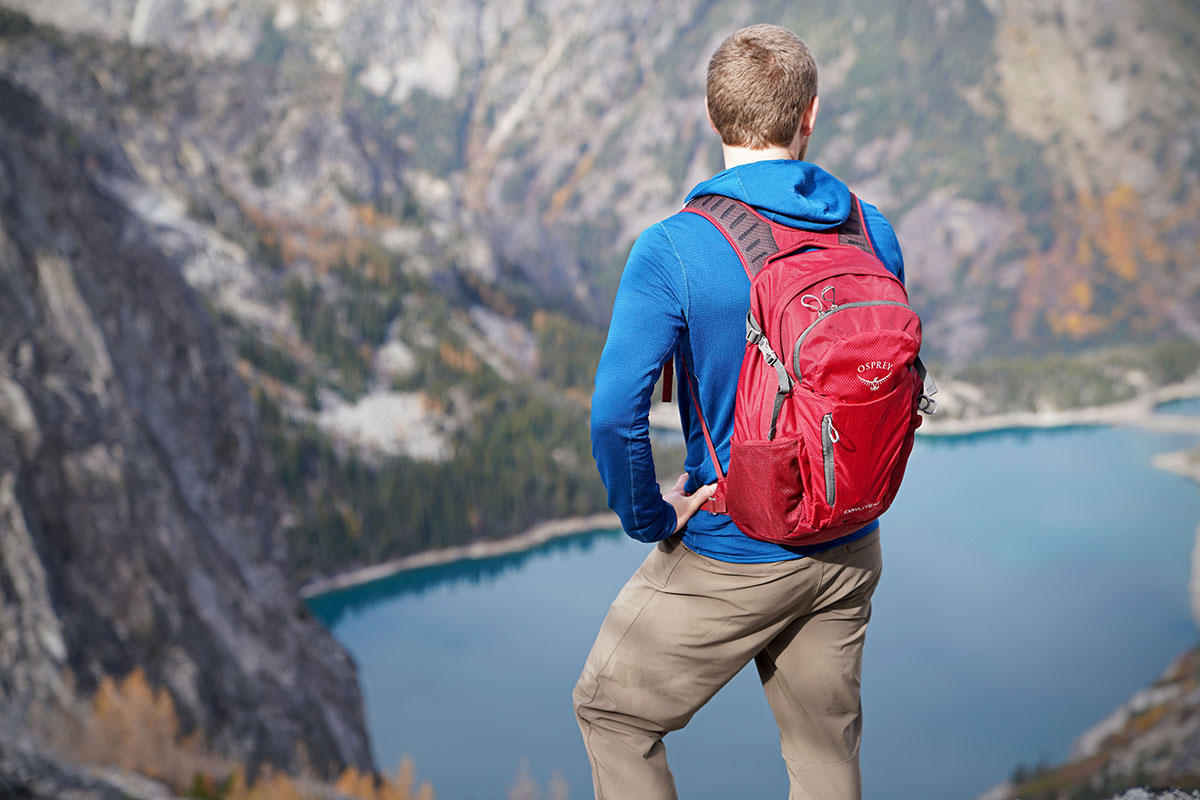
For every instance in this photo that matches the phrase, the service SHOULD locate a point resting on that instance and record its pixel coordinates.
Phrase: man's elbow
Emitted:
(609, 422)
(648, 528)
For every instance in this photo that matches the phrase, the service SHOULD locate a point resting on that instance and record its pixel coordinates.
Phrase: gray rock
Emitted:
(139, 520)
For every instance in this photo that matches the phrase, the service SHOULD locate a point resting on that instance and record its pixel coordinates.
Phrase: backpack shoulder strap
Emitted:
(854, 230)
(749, 234)
(755, 238)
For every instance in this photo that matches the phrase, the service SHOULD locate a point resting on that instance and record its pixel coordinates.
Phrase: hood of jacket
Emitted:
(793, 193)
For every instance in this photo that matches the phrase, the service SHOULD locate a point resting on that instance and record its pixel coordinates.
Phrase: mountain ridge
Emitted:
(1044, 152)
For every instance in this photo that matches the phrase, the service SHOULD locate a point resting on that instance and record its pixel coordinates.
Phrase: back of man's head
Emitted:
(760, 81)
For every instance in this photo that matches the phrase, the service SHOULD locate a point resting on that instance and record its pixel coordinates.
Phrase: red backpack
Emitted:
(831, 382)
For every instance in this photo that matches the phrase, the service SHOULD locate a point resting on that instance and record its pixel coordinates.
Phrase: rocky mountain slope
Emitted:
(1039, 158)
(139, 518)
(405, 370)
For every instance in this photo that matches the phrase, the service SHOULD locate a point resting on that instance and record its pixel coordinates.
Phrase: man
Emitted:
(709, 599)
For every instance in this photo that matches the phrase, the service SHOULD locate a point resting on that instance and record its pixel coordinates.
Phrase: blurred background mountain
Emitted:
(292, 286)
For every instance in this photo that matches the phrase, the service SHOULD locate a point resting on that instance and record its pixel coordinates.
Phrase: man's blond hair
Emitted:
(760, 81)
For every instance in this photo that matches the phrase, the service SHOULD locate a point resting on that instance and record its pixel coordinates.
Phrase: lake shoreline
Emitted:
(1139, 412)
(533, 537)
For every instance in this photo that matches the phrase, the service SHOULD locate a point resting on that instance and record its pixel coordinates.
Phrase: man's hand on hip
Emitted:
(686, 505)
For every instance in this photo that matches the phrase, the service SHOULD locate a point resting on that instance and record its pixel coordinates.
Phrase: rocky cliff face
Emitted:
(139, 517)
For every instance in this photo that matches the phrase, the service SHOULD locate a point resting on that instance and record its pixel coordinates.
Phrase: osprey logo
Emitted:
(875, 373)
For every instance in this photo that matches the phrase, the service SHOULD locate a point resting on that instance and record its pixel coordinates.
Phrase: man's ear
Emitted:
(808, 120)
(708, 116)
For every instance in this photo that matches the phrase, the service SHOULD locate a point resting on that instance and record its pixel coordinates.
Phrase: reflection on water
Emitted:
(332, 607)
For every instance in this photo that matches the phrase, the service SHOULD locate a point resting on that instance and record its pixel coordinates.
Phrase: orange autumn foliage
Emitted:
(133, 726)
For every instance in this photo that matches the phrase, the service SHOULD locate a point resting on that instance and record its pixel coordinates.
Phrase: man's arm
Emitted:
(648, 318)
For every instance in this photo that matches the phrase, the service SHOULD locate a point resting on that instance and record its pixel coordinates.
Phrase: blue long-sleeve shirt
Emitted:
(684, 290)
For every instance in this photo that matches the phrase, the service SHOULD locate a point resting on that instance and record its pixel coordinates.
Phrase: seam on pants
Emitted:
(820, 592)
(587, 739)
(654, 592)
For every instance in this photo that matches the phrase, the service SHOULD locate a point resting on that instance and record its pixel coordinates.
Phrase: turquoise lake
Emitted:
(1032, 582)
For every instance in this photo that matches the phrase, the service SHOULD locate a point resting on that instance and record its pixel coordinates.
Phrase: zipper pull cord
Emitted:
(832, 292)
(817, 304)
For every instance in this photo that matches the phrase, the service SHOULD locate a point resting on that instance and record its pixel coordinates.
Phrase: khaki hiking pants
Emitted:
(684, 625)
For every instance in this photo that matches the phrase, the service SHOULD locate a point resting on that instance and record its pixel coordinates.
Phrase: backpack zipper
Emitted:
(829, 437)
(829, 312)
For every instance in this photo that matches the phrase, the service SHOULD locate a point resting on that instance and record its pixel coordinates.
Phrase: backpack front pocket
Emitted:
(863, 447)
(765, 494)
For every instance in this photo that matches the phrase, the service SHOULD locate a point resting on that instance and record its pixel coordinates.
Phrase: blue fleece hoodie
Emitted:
(684, 291)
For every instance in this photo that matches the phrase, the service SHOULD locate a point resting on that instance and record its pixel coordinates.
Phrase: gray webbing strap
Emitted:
(754, 336)
(926, 405)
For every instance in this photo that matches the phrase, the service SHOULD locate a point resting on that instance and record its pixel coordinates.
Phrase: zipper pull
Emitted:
(830, 290)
